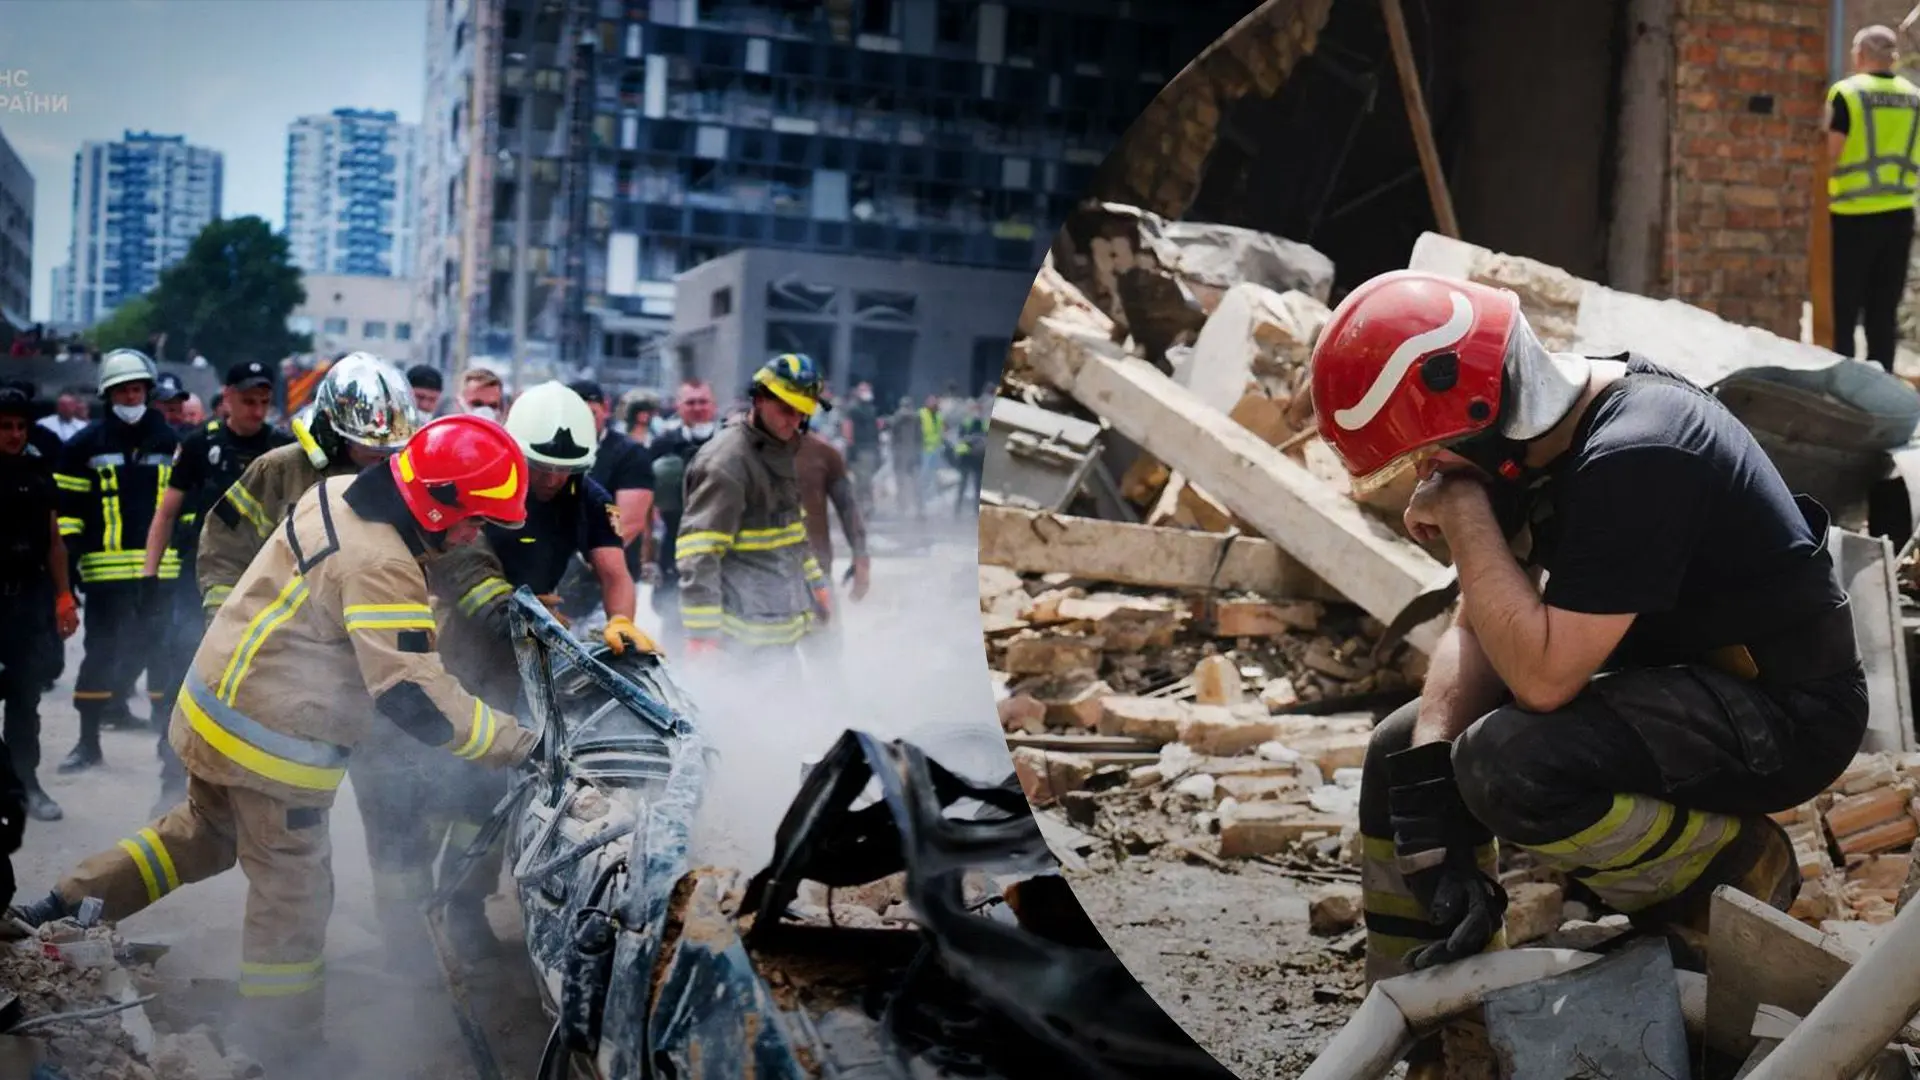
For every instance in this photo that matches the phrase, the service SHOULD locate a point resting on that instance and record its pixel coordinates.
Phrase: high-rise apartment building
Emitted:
(656, 136)
(61, 286)
(16, 236)
(351, 196)
(138, 204)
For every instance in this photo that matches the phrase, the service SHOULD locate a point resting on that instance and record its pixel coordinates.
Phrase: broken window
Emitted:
(791, 294)
(884, 305)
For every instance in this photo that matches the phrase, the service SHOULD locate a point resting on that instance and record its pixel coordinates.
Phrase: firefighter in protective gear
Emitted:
(747, 575)
(211, 458)
(326, 635)
(409, 800)
(36, 604)
(362, 413)
(1687, 666)
(1872, 123)
(112, 476)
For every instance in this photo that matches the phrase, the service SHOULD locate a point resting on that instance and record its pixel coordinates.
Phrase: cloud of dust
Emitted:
(911, 665)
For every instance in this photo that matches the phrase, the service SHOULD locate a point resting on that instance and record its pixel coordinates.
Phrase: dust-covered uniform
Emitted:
(238, 525)
(327, 635)
(747, 574)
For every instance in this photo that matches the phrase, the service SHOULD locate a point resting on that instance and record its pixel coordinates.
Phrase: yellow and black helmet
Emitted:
(793, 378)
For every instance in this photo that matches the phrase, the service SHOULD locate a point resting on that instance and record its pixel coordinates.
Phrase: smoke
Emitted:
(910, 665)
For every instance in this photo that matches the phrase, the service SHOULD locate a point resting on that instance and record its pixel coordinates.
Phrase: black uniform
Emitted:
(1663, 506)
(30, 649)
(667, 458)
(573, 522)
(211, 459)
(111, 476)
(620, 464)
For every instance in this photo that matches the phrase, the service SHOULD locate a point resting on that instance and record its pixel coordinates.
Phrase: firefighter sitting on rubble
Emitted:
(327, 634)
(746, 572)
(1687, 667)
(412, 799)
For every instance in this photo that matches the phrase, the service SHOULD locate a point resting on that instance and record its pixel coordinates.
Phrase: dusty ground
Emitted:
(1228, 954)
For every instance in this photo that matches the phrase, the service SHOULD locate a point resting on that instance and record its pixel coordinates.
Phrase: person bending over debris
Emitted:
(746, 571)
(1688, 667)
(328, 629)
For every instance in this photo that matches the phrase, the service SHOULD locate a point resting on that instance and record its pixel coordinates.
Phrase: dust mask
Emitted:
(129, 414)
(485, 412)
(701, 431)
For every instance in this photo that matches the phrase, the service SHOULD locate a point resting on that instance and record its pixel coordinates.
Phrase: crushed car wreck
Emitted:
(652, 967)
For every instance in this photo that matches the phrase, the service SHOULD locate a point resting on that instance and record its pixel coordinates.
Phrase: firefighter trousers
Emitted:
(286, 854)
(1631, 789)
(118, 647)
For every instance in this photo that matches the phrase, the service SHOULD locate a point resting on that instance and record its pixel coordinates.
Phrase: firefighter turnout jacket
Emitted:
(327, 633)
(238, 525)
(111, 477)
(211, 460)
(746, 571)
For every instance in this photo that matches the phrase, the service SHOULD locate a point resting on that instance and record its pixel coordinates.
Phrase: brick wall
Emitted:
(1742, 180)
(1158, 163)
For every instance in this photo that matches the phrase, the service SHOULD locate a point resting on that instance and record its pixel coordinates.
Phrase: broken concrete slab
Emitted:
(1155, 719)
(1619, 1016)
(1366, 561)
(1255, 334)
(1211, 729)
(1758, 956)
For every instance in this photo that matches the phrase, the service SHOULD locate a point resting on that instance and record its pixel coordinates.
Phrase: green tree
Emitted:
(128, 326)
(231, 296)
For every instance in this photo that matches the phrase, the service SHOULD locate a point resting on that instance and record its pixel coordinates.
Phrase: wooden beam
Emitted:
(1034, 542)
(1417, 120)
(1371, 565)
(1820, 253)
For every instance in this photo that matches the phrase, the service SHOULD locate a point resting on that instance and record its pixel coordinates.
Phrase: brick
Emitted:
(1887, 836)
(1330, 752)
(1333, 908)
(1030, 767)
(1533, 911)
(1157, 719)
(1068, 772)
(1857, 812)
(1079, 708)
(1269, 828)
(1022, 712)
(1216, 681)
(1258, 618)
(1212, 729)
(1258, 787)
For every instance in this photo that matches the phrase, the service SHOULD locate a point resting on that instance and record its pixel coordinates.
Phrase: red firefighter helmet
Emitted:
(1411, 361)
(460, 467)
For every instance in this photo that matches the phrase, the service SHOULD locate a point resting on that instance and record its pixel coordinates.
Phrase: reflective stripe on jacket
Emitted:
(111, 480)
(1879, 164)
(327, 633)
(746, 571)
(238, 525)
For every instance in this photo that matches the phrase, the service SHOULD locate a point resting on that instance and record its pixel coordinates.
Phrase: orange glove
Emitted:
(824, 601)
(620, 634)
(66, 615)
(702, 647)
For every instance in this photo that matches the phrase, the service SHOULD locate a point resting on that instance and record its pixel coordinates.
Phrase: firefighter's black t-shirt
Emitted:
(577, 520)
(210, 460)
(1666, 507)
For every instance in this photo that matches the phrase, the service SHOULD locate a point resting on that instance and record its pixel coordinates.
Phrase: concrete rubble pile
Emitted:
(89, 1007)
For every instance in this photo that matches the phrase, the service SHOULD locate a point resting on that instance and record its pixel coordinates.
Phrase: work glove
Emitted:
(702, 647)
(553, 602)
(66, 615)
(1434, 837)
(823, 603)
(621, 634)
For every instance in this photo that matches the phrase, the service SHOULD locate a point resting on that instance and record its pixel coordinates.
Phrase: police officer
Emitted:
(36, 602)
(212, 457)
(667, 460)
(111, 477)
(170, 396)
(1873, 115)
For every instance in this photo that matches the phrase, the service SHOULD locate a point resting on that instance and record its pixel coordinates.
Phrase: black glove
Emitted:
(1434, 836)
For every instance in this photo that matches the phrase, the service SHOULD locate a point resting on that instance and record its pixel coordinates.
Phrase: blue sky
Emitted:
(227, 74)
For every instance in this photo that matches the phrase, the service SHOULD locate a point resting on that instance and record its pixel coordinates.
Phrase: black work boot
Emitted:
(85, 755)
(48, 908)
(41, 807)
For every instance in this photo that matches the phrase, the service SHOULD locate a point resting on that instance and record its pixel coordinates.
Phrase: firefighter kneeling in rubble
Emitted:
(327, 633)
(1688, 666)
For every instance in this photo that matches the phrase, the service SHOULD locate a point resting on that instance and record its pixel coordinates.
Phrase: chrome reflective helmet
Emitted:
(367, 401)
(554, 425)
(124, 366)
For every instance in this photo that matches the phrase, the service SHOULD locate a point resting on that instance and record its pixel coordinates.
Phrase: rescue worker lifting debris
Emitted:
(1685, 665)
(111, 478)
(747, 574)
(327, 634)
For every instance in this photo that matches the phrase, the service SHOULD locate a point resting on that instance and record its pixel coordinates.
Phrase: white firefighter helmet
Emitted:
(555, 427)
(124, 366)
(367, 400)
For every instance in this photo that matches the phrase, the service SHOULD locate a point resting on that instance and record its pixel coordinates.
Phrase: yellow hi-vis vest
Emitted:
(931, 430)
(1879, 164)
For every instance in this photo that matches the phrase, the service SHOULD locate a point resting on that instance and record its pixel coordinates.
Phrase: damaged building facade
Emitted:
(1663, 147)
